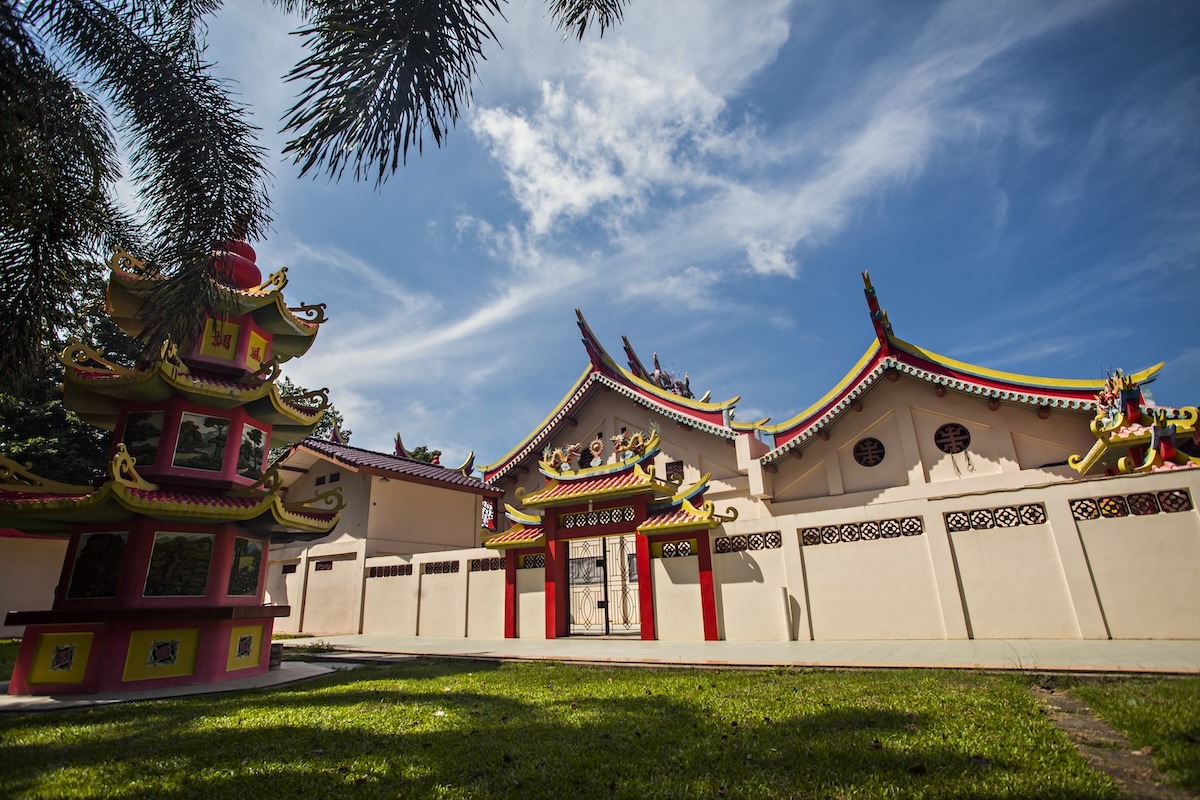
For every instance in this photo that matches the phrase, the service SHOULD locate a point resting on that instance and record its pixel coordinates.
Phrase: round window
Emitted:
(869, 452)
(952, 438)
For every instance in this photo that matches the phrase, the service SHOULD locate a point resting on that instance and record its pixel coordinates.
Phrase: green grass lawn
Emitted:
(8, 656)
(1163, 713)
(470, 729)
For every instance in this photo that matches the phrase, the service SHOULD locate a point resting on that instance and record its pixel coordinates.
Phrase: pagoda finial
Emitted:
(879, 318)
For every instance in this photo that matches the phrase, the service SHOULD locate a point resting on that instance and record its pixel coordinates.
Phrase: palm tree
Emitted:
(379, 75)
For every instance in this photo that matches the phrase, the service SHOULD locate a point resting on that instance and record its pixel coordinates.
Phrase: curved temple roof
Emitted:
(603, 371)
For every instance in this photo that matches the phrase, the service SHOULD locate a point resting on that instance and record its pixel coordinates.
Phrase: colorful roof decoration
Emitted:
(467, 467)
(95, 389)
(293, 329)
(686, 517)
(517, 536)
(388, 465)
(889, 357)
(34, 504)
(604, 372)
(1134, 437)
(558, 492)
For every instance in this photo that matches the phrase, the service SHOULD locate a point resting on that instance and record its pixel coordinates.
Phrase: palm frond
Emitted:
(575, 17)
(60, 159)
(192, 150)
(379, 75)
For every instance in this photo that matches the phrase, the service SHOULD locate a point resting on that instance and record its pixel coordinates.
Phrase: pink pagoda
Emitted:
(163, 579)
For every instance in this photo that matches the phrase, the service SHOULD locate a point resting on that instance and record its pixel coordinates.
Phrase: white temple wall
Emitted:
(485, 602)
(333, 596)
(1006, 563)
(442, 604)
(286, 589)
(752, 595)
(677, 599)
(882, 589)
(29, 571)
(390, 602)
(531, 604)
(411, 517)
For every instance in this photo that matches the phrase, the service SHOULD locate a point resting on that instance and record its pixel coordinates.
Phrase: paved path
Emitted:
(1019, 654)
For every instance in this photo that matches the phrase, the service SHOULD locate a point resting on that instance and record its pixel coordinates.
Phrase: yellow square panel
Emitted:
(220, 340)
(256, 351)
(60, 657)
(245, 647)
(161, 654)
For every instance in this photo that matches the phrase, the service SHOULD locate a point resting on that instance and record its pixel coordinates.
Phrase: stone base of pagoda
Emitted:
(92, 652)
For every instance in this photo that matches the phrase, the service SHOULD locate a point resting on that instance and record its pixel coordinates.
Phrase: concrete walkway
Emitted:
(289, 672)
(1016, 654)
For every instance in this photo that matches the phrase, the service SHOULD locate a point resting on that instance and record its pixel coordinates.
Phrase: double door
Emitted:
(603, 581)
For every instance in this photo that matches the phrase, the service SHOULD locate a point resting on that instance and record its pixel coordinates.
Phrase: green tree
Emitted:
(423, 453)
(377, 77)
(333, 418)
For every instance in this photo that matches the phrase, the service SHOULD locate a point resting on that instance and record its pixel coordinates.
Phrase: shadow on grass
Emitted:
(412, 731)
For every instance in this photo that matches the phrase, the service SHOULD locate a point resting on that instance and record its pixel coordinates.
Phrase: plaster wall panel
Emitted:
(880, 589)
(29, 571)
(333, 596)
(485, 604)
(416, 518)
(1013, 584)
(442, 605)
(286, 589)
(983, 456)
(355, 491)
(677, 613)
(1146, 571)
(750, 585)
(531, 604)
(390, 602)
(801, 479)
(891, 471)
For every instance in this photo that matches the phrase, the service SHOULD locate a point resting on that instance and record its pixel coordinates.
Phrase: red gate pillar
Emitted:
(645, 587)
(558, 601)
(708, 597)
(510, 595)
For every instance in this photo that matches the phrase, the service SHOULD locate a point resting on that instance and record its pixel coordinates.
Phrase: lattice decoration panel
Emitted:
(486, 564)
(603, 516)
(678, 549)
(1139, 504)
(748, 541)
(862, 531)
(535, 561)
(440, 567)
(391, 571)
(982, 519)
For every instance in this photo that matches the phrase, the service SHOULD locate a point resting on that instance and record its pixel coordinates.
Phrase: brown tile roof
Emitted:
(397, 466)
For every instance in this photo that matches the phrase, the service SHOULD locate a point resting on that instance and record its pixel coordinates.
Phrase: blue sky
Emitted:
(1022, 180)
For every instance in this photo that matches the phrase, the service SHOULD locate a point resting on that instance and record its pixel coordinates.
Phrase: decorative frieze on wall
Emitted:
(982, 519)
(440, 567)
(390, 571)
(535, 561)
(486, 564)
(863, 531)
(748, 541)
(678, 549)
(1139, 504)
(604, 516)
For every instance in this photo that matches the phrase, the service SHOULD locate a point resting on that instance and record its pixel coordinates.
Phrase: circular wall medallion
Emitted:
(869, 452)
(952, 438)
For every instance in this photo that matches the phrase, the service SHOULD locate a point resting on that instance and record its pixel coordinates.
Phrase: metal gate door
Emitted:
(603, 585)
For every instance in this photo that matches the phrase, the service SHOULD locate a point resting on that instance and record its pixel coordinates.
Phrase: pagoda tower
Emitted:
(164, 575)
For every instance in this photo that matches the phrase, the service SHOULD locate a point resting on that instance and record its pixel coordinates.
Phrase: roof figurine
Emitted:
(1134, 436)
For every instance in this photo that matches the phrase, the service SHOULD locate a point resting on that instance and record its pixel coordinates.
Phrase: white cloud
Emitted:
(770, 258)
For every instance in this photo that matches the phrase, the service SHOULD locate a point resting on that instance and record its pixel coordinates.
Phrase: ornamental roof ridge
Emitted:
(378, 462)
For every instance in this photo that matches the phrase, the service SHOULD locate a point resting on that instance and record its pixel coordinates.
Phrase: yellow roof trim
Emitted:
(579, 382)
(840, 387)
(1016, 377)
